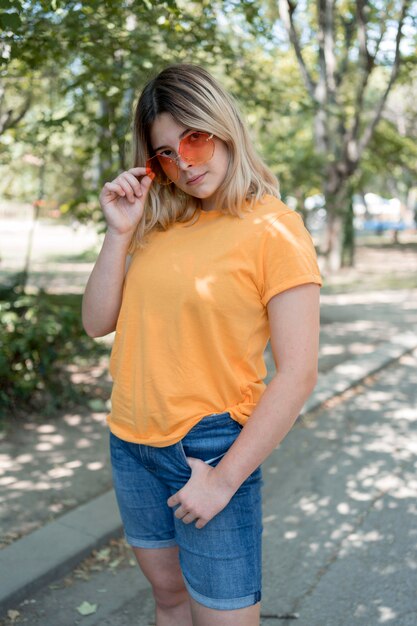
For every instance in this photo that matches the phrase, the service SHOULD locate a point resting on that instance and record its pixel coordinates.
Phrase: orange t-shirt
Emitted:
(193, 323)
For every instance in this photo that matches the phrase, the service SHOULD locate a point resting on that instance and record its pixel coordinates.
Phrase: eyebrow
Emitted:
(180, 137)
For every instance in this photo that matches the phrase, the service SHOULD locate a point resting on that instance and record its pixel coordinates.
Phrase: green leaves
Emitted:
(10, 21)
(39, 335)
(10, 5)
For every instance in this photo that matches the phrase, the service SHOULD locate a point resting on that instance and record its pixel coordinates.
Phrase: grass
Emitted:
(374, 283)
(88, 256)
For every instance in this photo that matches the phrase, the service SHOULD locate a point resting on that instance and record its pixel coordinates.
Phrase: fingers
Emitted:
(138, 170)
(187, 519)
(186, 516)
(134, 184)
(116, 188)
(127, 184)
(147, 180)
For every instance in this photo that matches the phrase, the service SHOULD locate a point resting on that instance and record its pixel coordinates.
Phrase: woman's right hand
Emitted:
(123, 200)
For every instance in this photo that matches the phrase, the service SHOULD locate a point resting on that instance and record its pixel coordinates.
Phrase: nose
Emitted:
(183, 165)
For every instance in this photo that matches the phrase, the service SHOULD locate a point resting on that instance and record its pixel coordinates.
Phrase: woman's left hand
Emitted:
(202, 497)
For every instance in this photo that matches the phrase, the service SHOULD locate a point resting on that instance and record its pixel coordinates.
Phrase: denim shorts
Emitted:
(221, 563)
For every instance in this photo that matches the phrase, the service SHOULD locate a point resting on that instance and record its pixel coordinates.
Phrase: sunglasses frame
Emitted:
(175, 159)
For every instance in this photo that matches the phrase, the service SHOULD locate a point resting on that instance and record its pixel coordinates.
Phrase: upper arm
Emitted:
(294, 319)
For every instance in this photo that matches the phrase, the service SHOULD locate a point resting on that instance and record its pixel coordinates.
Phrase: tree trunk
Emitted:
(24, 275)
(338, 218)
(333, 241)
(348, 249)
(105, 141)
(300, 204)
(336, 196)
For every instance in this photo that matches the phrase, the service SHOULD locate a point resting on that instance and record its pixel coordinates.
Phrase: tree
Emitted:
(349, 54)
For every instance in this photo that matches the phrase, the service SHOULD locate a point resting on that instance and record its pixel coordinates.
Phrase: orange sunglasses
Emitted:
(195, 148)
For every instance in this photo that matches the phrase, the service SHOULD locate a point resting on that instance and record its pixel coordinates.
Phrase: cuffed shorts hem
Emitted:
(143, 543)
(223, 604)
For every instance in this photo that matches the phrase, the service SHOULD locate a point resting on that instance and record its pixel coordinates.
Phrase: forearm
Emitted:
(271, 420)
(103, 293)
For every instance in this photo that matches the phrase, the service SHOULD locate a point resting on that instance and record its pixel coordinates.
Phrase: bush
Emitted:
(39, 335)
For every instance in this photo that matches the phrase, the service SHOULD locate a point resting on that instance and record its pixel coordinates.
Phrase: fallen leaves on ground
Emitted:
(116, 554)
(86, 608)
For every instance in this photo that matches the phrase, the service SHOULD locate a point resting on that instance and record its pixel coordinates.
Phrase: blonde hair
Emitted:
(196, 100)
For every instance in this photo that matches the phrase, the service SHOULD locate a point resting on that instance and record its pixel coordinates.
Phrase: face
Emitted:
(200, 181)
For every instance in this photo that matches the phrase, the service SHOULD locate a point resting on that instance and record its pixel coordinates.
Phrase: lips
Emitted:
(196, 179)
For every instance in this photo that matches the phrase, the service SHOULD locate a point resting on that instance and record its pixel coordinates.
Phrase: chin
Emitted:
(203, 195)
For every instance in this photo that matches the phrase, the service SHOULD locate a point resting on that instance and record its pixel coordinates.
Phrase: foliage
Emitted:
(79, 120)
(349, 56)
(80, 124)
(39, 335)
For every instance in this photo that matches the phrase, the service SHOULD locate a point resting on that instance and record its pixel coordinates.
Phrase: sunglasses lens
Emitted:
(197, 148)
(164, 168)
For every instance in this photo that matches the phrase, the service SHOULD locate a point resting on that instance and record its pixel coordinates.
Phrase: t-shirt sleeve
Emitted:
(288, 257)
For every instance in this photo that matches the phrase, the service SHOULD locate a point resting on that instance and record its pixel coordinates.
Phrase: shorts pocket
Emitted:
(210, 439)
(182, 453)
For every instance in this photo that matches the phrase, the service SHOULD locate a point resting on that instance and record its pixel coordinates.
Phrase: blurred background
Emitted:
(329, 98)
(328, 89)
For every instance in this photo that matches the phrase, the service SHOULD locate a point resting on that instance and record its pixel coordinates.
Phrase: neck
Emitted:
(208, 204)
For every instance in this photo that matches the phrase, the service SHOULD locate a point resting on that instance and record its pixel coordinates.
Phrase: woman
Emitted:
(201, 264)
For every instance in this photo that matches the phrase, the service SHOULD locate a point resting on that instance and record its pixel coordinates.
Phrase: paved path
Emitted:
(338, 535)
(50, 465)
(339, 523)
(54, 470)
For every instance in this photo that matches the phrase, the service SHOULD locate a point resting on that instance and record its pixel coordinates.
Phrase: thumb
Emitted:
(146, 181)
(192, 462)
